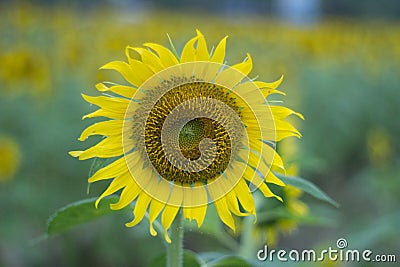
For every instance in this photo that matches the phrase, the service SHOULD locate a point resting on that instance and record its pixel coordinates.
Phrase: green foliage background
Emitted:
(342, 74)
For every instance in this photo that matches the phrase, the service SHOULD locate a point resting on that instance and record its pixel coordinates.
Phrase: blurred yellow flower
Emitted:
(380, 148)
(9, 158)
(186, 138)
(26, 71)
(286, 222)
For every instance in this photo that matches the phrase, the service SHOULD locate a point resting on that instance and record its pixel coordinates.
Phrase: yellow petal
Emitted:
(224, 213)
(266, 92)
(245, 67)
(141, 71)
(166, 56)
(269, 88)
(264, 170)
(275, 130)
(148, 58)
(155, 209)
(189, 52)
(187, 213)
(282, 125)
(75, 153)
(254, 100)
(125, 70)
(122, 90)
(271, 178)
(106, 128)
(112, 170)
(195, 213)
(267, 192)
(274, 135)
(271, 157)
(231, 76)
(255, 161)
(117, 115)
(107, 148)
(114, 186)
(283, 112)
(201, 51)
(129, 194)
(141, 205)
(176, 196)
(190, 201)
(245, 197)
(168, 217)
(167, 237)
(115, 168)
(233, 205)
(219, 52)
(252, 176)
(170, 211)
(249, 173)
(195, 195)
(113, 104)
(273, 85)
(282, 134)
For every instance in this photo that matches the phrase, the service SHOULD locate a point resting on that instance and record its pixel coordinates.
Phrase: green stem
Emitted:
(159, 229)
(247, 246)
(175, 249)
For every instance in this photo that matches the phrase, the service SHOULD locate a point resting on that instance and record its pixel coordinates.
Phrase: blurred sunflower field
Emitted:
(342, 74)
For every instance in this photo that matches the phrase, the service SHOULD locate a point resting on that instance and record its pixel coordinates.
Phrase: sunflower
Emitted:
(24, 70)
(9, 157)
(186, 132)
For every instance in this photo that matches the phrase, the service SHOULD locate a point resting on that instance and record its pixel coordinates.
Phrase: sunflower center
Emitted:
(192, 131)
(192, 134)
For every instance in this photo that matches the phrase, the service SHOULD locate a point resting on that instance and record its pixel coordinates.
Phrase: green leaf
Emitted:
(78, 213)
(266, 217)
(190, 259)
(307, 187)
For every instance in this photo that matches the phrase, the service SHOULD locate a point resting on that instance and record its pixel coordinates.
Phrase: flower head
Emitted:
(186, 132)
(25, 71)
(9, 157)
